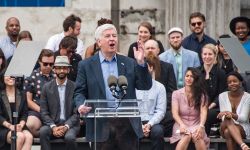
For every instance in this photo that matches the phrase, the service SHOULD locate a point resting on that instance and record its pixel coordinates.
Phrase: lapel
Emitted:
(57, 98)
(6, 104)
(67, 104)
(97, 72)
(121, 65)
(184, 62)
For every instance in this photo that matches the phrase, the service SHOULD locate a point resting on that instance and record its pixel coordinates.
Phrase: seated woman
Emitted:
(189, 108)
(215, 83)
(8, 104)
(234, 112)
(157, 107)
(224, 60)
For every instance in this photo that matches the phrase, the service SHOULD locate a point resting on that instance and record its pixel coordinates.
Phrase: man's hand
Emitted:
(58, 131)
(139, 53)
(84, 109)
(146, 129)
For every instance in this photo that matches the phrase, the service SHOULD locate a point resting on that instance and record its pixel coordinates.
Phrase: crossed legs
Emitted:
(233, 134)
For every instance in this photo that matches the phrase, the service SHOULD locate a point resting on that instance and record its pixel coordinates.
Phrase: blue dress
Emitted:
(246, 45)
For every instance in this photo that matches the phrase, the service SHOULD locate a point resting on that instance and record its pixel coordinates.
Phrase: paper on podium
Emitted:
(237, 53)
(24, 58)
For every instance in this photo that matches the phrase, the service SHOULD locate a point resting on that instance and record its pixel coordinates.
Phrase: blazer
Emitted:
(50, 104)
(189, 59)
(167, 78)
(90, 85)
(6, 113)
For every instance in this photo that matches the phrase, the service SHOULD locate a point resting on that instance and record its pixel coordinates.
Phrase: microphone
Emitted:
(123, 84)
(112, 82)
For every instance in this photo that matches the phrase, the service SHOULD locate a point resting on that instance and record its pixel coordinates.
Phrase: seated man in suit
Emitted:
(59, 117)
(178, 56)
(91, 83)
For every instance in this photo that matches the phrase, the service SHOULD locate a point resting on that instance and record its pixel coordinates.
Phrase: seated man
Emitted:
(33, 86)
(156, 101)
(67, 47)
(57, 110)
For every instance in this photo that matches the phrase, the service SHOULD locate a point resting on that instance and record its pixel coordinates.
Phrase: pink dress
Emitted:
(189, 115)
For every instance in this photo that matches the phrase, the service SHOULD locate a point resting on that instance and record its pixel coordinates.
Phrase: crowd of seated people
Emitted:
(194, 85)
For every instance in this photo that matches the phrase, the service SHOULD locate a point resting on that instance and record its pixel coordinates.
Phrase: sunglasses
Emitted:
(196, 23)
(47, 64)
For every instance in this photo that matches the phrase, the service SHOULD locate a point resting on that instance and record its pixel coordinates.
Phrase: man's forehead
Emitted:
(12, 20)
(151, 43)
(196, 18)
(109, 31)
(48, 58)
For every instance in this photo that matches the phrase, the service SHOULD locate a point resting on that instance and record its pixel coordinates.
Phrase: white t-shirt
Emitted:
(54, 41)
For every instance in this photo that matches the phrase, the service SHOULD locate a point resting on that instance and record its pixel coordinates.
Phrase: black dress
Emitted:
(6, 109)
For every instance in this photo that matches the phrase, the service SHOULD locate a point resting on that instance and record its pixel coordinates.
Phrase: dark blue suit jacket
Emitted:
(90, 85)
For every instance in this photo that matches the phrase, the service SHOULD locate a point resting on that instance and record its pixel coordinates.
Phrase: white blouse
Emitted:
(242, 111)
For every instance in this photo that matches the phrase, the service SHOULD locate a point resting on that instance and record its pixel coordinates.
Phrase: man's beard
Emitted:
(176, 47)
(199, 33)
(61, 76)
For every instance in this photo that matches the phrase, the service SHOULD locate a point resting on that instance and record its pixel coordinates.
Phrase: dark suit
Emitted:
(90, 85)
(6, 112)
(50, 113)
(167, 78)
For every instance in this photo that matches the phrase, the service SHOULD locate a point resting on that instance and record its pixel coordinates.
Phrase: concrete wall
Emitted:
(163, 14)
(133, 13)
(44, 22)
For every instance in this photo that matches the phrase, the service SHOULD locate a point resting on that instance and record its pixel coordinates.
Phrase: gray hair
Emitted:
(101, 29)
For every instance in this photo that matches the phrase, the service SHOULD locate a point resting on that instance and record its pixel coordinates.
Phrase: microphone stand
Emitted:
(15, 116)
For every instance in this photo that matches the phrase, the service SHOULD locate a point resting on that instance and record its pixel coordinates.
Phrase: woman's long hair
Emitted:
(4, 63)
(198, 88)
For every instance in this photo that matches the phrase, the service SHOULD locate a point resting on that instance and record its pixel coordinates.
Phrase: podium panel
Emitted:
(105, 112)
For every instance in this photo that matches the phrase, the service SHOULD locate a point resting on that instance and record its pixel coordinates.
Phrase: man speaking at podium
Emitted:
(91, 83)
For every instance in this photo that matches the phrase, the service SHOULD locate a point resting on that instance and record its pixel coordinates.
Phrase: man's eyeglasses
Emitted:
(47, 64)
(196, 23)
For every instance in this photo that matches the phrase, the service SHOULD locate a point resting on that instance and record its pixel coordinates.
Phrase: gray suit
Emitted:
(189, 59)
(90, 85)
(50, 113)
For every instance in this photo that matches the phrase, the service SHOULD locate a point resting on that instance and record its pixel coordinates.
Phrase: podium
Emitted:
(105, 110)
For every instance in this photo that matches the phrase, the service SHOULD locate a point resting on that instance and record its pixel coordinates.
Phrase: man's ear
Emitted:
(71, 29)
(98, 43)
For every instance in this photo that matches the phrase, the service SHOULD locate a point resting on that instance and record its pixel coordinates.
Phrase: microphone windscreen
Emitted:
(122, 81)
(112, 81)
